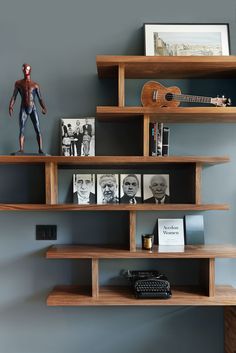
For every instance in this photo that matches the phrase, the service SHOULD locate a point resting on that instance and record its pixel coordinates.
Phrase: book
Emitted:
(152, 146)
(159, 137)
(165, 141)
(194, 229)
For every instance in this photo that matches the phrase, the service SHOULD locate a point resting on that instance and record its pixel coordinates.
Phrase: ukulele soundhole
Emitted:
(169, 97)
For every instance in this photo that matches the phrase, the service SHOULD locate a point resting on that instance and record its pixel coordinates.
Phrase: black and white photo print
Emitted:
(156, 188)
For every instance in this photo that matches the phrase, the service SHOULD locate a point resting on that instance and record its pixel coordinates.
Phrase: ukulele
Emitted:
(155, 94)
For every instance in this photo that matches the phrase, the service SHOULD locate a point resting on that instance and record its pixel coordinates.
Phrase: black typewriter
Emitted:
(149, 284)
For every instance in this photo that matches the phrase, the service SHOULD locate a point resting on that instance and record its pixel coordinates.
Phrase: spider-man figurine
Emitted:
(28, 90)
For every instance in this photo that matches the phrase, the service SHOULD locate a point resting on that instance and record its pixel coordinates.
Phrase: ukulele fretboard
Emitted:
(190, 98)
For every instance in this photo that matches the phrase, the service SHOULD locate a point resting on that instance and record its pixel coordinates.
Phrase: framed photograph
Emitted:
(78, 137)
(130, 188)
(107, 188)
(171, 231)
(186, 39)
(156, 188)
(84, 189)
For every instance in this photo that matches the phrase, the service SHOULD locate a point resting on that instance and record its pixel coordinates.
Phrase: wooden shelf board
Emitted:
(171, 115)
(120, 296)
(111, 160)
(108, 252)
(118, 207)
(167, 67)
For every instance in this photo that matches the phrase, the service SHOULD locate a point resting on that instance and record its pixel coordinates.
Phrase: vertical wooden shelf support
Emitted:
(198, 183)
(95, 278)
(207, 276)
(121, 85)
(132, 230)
(230, 329)
(146, 121)
(51, 178)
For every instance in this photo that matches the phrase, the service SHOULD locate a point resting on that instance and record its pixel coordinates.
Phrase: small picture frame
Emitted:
(171, 231)
(156, 188)
(201, 39)
(84, 189)
(78, 136)
(107, 188)
(130, 188)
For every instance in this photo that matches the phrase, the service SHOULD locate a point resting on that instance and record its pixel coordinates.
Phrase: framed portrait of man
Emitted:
(156, 188)
(107, 188)
(84, 189)
(130, 188)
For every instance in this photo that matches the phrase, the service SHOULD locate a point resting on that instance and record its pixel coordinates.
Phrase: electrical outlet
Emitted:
(46, 232)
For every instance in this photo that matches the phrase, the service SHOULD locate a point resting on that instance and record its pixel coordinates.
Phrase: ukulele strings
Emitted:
(185, 97)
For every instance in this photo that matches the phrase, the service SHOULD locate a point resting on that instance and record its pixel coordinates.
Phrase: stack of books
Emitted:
(159, 139)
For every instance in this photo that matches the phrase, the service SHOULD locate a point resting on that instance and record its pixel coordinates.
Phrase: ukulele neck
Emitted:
(190, 98)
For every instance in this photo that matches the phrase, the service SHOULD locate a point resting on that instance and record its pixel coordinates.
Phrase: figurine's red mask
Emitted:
(26, 68)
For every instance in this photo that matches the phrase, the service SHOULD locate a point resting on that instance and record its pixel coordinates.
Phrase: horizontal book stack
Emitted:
(159, 139)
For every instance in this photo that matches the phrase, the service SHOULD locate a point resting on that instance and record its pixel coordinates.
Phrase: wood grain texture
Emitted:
(51, 183)
(198, 183)
(132, 230)
(161, 91)
(167, 66)
(196, 115)
(207, 276)
(121, 85)
(95, 278)
(146, 122)
(111, 160)
(121, 207)
(211, 277)
(112, 252)
(120, 296)
(230, 329)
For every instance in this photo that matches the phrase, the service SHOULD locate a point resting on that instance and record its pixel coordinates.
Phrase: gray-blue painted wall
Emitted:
(60, 39)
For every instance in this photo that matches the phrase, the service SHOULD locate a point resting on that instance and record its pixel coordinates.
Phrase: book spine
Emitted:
(151, 140)
(155, 139)
(166, 139)
(159, 139)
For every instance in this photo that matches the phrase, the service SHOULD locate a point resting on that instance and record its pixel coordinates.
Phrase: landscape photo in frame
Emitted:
(186, 39)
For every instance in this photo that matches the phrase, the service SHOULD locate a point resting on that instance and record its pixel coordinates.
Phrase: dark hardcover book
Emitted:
(159, 137)
(152, 147)
(194, 229)
(165, 141)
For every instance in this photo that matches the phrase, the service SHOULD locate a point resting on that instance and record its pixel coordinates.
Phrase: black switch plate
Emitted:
(46, 232)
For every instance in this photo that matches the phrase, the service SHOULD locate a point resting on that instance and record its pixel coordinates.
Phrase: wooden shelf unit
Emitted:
(207, 293)
(206, 254)
(112, 252)
(133, 67)
(192, 115)
(115, 207)
(110, 160)
(122, 296)
(52, 164)
(158, 67)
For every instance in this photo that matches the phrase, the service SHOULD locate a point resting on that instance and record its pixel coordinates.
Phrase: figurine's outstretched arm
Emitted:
(12, 101)
(41, 102)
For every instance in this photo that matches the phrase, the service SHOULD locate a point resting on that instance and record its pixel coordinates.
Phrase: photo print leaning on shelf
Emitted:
(84, 189)
(107, 188)
(130, 188)
(78, 137)
(156, 188)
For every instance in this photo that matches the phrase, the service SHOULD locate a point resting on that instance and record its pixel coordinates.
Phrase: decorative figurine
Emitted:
(28, 90)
